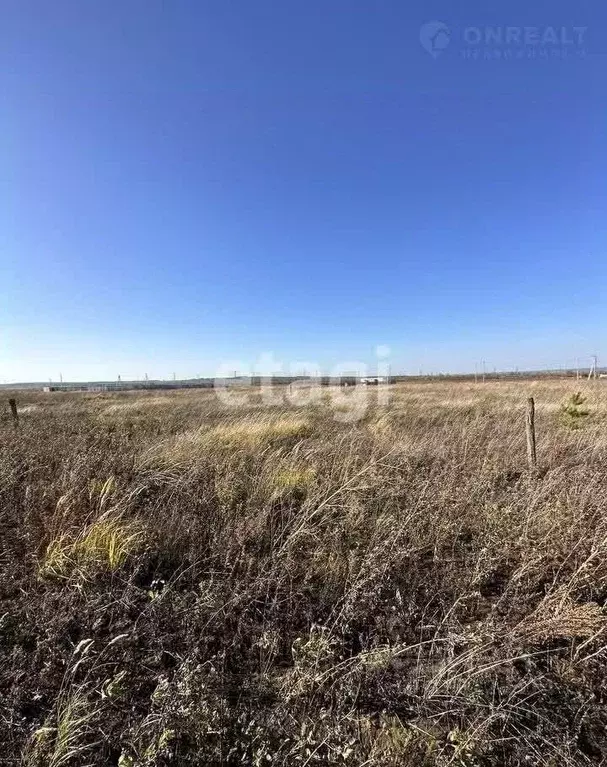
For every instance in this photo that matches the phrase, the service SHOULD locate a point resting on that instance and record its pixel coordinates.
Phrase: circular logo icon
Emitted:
(434, 37)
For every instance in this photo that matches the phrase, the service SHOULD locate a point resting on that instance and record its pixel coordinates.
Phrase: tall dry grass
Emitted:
(185, 584)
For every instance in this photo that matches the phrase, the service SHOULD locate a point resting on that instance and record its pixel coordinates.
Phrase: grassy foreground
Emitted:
(187, 584)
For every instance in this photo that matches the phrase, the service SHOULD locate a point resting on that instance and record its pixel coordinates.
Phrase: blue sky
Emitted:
(198, 183)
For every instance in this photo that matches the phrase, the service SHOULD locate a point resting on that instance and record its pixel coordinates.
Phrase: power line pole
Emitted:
(593, 369)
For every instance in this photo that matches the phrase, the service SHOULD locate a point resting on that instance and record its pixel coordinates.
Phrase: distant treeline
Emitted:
(207, 383)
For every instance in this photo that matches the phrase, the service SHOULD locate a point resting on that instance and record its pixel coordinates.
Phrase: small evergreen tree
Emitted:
(572, 412)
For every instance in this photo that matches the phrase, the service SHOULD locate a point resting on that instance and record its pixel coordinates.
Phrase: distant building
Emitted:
(373, 380)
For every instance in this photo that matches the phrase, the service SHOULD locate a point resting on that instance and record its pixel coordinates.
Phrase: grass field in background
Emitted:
(188, 583)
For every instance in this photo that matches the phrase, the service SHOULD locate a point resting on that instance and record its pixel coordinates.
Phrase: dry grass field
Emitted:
(188, 584)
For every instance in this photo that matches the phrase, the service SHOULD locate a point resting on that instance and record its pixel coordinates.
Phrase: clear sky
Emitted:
(197, 183)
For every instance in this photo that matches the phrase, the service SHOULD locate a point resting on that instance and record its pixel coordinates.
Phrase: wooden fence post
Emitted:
(530, 429)
(14, 413)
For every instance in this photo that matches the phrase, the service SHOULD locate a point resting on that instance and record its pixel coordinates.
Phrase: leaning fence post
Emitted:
(530, 429)
(14, 413)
